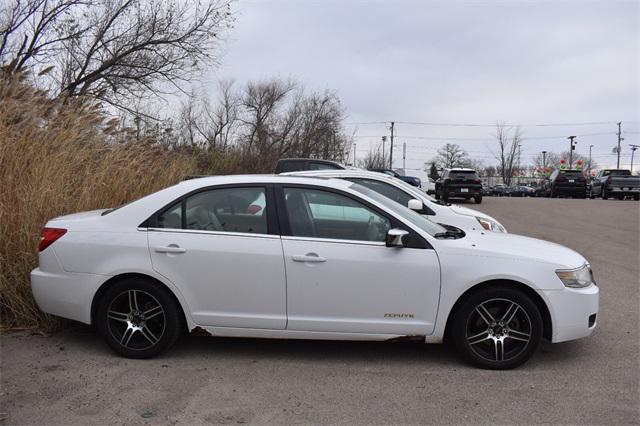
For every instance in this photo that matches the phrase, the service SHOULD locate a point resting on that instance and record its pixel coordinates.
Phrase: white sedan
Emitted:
(468, 220)
(291, 257)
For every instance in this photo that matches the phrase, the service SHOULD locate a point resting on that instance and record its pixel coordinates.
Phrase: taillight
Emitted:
(49, 236)
(477, 181)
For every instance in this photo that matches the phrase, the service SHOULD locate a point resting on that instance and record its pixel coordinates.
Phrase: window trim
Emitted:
(285, 226)
(273, 227)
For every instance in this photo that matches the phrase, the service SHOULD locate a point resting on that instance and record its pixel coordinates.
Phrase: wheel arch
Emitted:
(116, 278)
(547, 325)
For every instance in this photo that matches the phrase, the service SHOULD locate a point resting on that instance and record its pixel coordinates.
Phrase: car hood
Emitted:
(470, 212)
(515, 247)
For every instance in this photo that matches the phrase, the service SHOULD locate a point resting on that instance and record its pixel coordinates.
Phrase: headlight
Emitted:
(576, 278)
(490, 225)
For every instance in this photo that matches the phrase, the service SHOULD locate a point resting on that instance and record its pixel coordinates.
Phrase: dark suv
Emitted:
(301, 164)
(459, 183)
(567, 183)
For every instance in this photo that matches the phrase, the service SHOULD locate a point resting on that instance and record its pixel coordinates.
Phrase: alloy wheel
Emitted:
(498, 330)
(136, 319)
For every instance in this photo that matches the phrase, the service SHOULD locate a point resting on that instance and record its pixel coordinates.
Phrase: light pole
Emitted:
(384, 139)
(571, 148)
(590, 146)
(544, 161)
(633, 151)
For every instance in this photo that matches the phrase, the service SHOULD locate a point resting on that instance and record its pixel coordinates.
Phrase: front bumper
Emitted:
(573, 312)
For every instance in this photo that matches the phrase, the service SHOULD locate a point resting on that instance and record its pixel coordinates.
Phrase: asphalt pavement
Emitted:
(71, 377)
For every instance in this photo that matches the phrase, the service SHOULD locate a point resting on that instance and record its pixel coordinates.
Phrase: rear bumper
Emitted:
(64, 294)
(573, 312)
(623, 190)
(458, 192)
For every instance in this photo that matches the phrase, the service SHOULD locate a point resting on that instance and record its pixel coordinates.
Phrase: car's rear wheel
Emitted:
(497, 328)
(636, 197)
(138, 318)
(605, 194)
(478, 200)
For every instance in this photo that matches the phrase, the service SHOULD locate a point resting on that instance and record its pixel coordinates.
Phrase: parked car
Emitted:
(501, 190)
(617, 183)
(296, 164)
(411, 180)
(522, 191)
(487, 190)
(399, 191)
(459, 183)
(291, 257)
(566, 183)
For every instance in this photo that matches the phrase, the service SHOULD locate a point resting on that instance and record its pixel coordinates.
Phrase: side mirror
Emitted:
(415, 204)
(394, 237)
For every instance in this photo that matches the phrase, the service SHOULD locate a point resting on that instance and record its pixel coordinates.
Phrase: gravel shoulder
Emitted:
(73, 378)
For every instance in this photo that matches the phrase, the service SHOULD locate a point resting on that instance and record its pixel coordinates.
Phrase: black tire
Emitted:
(482, 348)
(445, 198)
(636, 197)
(147, 308)
(591, 194)
(478, 200)
(605, 195)
(620, 197)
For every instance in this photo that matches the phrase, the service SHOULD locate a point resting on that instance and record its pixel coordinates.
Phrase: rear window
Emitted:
(616, 173)
(463, 174)
(571, 173)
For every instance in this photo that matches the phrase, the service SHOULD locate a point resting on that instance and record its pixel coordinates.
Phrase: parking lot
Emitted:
(72, 377)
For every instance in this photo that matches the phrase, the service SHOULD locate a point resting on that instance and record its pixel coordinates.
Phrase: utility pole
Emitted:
(384, 140)
(571, 148)
(619, 140)
(633, 151)
(590, 146)
(391, 153)
(544, 161)
(404, 156)
(354, 155)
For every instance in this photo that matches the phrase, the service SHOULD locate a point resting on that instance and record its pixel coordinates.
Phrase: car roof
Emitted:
(460, 169)
(261, 178)
(340, 173)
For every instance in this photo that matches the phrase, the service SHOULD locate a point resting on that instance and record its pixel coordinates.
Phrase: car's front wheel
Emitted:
(139, 318)
(497, 328)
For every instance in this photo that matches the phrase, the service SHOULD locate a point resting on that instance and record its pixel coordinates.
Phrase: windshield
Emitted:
(571, 173)
(414, 190)
(416, 219)
(463, 174)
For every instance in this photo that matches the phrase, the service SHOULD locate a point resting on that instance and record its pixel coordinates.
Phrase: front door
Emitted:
(215, 246)
(341, 277)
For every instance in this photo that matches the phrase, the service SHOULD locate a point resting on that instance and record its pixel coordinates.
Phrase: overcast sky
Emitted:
(477, 62)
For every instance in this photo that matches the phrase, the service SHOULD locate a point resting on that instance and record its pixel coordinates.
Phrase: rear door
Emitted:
(221, 248)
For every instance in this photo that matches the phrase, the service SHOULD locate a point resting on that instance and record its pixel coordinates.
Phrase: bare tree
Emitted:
(112, 50)
(265, 121)
(508, 155)
(373, 160)
(450, 155)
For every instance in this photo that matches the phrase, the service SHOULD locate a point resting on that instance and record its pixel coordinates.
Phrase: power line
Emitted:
(524, 138)
(426, 123)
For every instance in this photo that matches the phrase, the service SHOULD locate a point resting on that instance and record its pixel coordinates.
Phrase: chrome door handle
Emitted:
(170, 249)
(309, 257)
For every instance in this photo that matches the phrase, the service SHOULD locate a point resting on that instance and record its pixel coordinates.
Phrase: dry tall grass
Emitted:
(59, 158)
